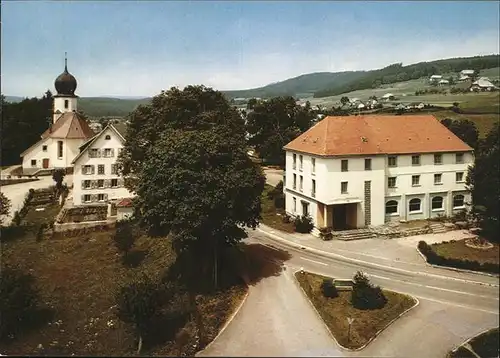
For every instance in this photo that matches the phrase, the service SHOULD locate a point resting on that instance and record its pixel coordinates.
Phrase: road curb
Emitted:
(471, 338)
(230, 319)
(417, 302)
(365, 263)
(454, 268)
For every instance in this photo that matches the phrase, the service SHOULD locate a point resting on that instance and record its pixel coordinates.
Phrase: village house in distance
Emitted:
(60, 143)
(361, 171)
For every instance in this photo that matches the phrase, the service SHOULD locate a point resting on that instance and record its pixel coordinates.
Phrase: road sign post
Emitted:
(349, 321)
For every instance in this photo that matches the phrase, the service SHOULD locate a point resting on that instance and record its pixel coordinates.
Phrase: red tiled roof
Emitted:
(69, 125)
(377, 134)
(125, 203)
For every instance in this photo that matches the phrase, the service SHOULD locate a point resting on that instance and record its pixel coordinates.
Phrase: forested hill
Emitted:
(399, 73)
(323, 84)
(301, 85)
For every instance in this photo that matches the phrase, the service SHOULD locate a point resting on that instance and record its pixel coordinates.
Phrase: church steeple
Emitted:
(65, 83)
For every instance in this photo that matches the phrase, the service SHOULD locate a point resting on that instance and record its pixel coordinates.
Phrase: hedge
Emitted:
(435, 259)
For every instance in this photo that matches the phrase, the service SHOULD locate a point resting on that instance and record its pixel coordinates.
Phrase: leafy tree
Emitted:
(451, 80)
(483, 181)
(58, 176)
(252, 102)
(275, 123)
(138, 302)
(328, 288)
(344, 100)
(22, 125)
(303, 224)
(193, 177)
(365, 295)
(4, 206)
(103, 121)
(464, 129)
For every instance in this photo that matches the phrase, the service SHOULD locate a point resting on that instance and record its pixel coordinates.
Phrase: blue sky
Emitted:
(126, 48)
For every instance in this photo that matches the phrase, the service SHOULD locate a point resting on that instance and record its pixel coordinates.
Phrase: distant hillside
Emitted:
(104, 106)
(324, 84)
(304, 85)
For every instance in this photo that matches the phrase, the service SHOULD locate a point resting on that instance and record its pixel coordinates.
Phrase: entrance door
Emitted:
(45, 163)
(340, 217)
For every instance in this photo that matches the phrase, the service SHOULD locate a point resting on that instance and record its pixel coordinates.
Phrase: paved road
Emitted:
(273, 176)
(17, 192)
(453, 307)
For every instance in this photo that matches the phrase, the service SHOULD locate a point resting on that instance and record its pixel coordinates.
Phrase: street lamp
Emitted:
(349, 321)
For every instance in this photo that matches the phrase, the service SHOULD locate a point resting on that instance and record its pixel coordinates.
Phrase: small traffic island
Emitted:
(338, 303)
(483, 345)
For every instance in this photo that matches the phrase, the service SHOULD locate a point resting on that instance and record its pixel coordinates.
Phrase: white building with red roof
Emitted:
(60, 143)
(360, 171)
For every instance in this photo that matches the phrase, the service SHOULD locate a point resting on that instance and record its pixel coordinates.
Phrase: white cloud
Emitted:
(255, 69)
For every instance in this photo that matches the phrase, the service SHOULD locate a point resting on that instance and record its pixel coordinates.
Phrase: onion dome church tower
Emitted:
(65, 100)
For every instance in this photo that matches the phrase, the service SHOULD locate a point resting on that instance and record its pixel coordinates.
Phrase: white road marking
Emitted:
(271, 247)
(432, 287)
(317, 262)
(331, 255)
(455, 304)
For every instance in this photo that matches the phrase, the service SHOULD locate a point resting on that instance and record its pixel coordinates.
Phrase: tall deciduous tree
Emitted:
(483, 181)
(22, 125)
(274, 123)
(194, 179)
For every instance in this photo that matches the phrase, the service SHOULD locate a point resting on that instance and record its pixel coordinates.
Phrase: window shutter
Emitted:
(83, 198)
(83, 169)
(107, 183)
(93, 169)
(112, 152)
(120, 182)
(93, 197)
(83, 184)
(99, 153)
(90, 153)
(105, 196)
(93, 184)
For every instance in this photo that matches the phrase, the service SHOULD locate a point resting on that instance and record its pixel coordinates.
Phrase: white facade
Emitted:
(51, 153)
(95, 177)
(358, 191)
(64, 104)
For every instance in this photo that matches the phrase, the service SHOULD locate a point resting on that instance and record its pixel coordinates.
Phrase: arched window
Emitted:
(437, 202)
(391, 207)
(458, 201)
(108, 137)
(415, 204)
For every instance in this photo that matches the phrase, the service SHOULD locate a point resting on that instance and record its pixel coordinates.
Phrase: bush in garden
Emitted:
(328, 288)
(303, 224)
(364, 295)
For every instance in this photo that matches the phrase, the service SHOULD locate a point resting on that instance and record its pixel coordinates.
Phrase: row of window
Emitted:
(89, 198)
(301, 163)
(301, 184)
(415, 204)
(101, 183)
(104, 153)
(415, 179)
(101, 169)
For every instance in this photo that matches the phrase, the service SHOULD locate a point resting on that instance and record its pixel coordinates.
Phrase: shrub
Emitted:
(325, 233)
(365, 295)
(18, 300)
(124, 237)
(16, 220)
(303, 224)
(138, 302)
(286, 219)
(328, 288)
(40, 231)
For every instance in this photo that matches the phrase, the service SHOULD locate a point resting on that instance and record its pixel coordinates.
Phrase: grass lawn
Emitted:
(459, 250)
(270, 213)
(485, 345)
(335, 311)
(77, 279)
(483, 122)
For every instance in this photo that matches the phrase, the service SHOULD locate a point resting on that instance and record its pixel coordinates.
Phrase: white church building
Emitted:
(60, 143)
